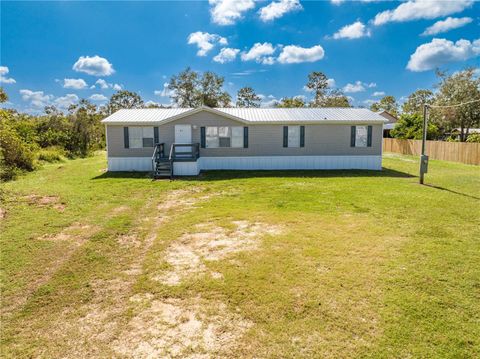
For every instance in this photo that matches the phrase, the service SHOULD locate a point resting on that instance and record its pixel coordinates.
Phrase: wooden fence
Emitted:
(468, 153)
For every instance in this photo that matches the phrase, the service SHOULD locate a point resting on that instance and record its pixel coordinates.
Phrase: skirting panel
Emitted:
(186, 168)
(128, 164)
(251, 163)
(291, 163)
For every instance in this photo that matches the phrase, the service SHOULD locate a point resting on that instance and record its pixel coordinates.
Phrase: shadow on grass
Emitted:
(216, 175)
(452, 191)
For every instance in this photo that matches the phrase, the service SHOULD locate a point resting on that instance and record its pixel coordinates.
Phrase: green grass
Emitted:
(367, 264)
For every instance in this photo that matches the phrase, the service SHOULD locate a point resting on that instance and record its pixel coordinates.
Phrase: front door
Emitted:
(183, 134)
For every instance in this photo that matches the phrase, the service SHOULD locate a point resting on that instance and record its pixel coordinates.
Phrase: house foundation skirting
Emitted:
(192, 168)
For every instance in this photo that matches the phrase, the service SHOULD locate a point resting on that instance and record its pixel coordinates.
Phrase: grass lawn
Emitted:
(239, 264)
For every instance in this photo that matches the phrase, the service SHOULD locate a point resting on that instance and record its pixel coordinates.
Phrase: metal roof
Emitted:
(253, 115)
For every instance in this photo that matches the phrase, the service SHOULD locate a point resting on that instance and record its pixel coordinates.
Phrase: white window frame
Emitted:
(293, 136)
(361, 136)
(213, 134)
(136, 135)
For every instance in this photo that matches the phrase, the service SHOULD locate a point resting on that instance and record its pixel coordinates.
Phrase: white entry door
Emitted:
(183, 134)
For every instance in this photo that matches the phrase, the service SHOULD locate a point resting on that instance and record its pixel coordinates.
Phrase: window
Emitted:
(139, 137)
(361, 136)
(293, 136)
(223, 136)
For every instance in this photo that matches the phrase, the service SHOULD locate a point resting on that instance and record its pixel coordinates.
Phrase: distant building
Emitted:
(388, 126)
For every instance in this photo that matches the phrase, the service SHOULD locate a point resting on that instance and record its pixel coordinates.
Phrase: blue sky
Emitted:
(55, 52)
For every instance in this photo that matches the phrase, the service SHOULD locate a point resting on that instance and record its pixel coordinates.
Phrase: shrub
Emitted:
(51, 154)
(474, 138)
(16, 155)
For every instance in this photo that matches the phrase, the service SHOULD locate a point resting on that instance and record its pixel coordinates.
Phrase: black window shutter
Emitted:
(302, 136)
(155, 135)
(125, 137)
(369, 136)
(352, 136)
(202, 137)
(285, 136)
(245, 137)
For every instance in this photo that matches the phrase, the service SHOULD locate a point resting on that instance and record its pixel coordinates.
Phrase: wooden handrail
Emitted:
(159, 151)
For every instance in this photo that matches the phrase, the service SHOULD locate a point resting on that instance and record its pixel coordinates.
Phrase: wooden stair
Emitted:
(163, 168)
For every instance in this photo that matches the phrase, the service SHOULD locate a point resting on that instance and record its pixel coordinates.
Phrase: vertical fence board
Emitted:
(463, 152)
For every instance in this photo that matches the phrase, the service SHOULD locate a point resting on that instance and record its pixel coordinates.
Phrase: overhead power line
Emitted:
(457, 105)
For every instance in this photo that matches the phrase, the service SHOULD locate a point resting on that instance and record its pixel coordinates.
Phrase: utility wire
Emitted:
(457, 105)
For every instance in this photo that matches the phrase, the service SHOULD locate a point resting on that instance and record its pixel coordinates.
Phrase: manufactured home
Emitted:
(185, 141)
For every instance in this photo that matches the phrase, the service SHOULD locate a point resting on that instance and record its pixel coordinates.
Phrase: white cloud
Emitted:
(336, 2)
(96, 66)
(369, 102)
(269, 101)
(3, 79)
(277, 9)
(226, 54)
(226, 12)
(352, 31)
(292, 54)
(106, 85)
(378, 93)
(358, 86)
(66, 101)
(260, 53)
(102, 83)
(446, 25)
(441, 51)
(371, 84)
(205, 41)
(37, 99)
(166, 92)
(98, 97)
(421, 9)
(76, 84)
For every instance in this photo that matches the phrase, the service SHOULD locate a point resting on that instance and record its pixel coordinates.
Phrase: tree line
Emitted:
(28, 140)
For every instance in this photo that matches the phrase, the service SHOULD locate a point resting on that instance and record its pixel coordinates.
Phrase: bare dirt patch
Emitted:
(3, 213)
(76, 233)
(45, 201)
(120, 209)
(177, 328)
(210, 243)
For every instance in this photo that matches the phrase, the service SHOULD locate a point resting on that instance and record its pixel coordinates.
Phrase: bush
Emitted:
(51, 155)
(474, 138)
(16, 155)
(410, 126)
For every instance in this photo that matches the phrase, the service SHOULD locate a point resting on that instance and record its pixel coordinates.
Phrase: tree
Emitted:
(184, 88)
(387, 103)
(324, 96)
(189, 89)
(335, 98)
(87, 132)
(416, 100)
(461, 87)
(3, 95)
(410, 126)
(246, 97)
(211, 92)
(288, 102)
(318, 83)
(124, 99)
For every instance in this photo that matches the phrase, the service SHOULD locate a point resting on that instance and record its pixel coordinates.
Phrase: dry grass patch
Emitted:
(177, 328)
(210, 242)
